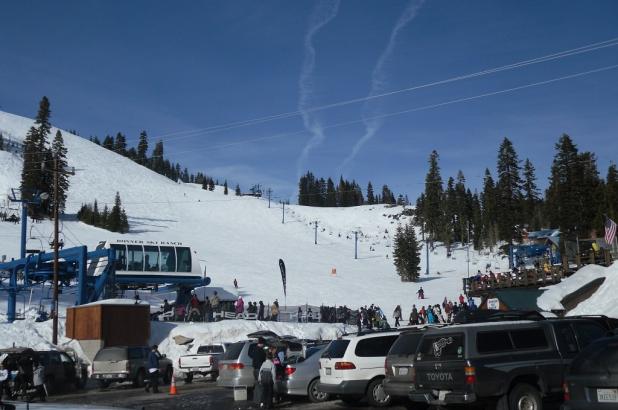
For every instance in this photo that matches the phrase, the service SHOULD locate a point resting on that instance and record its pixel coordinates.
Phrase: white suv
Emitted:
(353, 367)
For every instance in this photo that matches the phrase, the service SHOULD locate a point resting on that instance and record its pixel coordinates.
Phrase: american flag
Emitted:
(610, 231)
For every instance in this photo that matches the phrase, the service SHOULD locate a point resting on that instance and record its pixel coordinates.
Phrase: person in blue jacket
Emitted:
(153, 370)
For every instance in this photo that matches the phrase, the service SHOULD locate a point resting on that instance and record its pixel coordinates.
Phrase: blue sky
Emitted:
(172, 67)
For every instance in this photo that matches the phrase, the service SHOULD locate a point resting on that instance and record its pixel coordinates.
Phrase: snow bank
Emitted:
(228, 331)
(602, 302)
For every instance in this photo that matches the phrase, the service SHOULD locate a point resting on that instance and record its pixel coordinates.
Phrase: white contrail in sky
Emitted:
(324, 12)
(378, 82)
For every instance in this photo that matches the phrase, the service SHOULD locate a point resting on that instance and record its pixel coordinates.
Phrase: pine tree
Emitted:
(433, 206)
(225, 187)
(108, 142)
(59, 153)
(531, 197)
(120, 144)
(508, 192)
(157, 158)
(36, 172)
(114, 223)
(142, 149)
(611, 192)
(331, 193)
(237, 190)
(406, 253)
(96, 140)
(370, 197)
(489, 211)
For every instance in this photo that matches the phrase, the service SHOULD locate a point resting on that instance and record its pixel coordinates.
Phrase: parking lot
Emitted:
(199, 395)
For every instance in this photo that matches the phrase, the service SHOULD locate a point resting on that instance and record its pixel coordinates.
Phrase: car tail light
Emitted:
(235, 366)
(470, 374)
(289, 370)
(567, 393)
(387, 370)
(344, 366)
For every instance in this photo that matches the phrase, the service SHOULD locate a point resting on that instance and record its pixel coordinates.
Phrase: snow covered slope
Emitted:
(240, 237)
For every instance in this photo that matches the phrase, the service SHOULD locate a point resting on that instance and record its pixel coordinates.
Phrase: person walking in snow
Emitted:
(413, 316)
(260, 315)
(397, 315)
(421, 293)
(235, 284)
(153, 370)
(215, 302)
(267, 380)
(239, 305)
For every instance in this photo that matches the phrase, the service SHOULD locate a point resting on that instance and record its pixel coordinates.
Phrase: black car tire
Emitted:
(525, 397)
(104, 384)
(140, 379)
(189, 378)
(350, 399)
(376, 396)
(167, 376)
(314, 394)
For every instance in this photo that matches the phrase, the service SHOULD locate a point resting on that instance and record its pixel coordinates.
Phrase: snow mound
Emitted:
(229, 331)
(601, 302)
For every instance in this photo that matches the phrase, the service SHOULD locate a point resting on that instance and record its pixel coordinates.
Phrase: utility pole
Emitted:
(355, 244)
(56, 205)
(316, 232)
(283, 212)
(269, 192)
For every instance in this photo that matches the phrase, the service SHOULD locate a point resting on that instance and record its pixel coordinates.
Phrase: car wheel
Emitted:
(167, 376)
(351, 399)
(140, 379)
(104, 384)
(376, 396)
(189, 378)
(525, 397)
(315, 395)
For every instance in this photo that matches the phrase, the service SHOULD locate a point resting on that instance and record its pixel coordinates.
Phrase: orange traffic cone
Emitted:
(173, 390)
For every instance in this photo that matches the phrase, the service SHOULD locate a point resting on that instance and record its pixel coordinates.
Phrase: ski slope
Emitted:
(241, 237)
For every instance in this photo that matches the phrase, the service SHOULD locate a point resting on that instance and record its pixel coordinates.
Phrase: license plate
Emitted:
(402, 371)
(607, 395)
(328, 371)
(195, 369)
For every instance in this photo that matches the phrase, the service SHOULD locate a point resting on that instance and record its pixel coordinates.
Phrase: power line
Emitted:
(238, 124)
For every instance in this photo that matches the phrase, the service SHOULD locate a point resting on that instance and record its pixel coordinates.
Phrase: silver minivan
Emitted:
(236, 365)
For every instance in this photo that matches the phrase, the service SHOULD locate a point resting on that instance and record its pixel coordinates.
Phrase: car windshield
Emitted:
(406, 344)
(599, 357)
(336, 349)
(233, 351)
(112, 353)
(210, 349)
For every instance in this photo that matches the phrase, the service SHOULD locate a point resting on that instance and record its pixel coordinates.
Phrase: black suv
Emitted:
(512, 364)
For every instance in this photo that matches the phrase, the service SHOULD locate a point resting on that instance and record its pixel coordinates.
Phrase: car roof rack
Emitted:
(484, 316)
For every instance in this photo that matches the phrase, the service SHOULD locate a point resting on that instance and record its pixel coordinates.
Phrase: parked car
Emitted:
(236, 365)
(205, 362)
(122, 363)
(592, 381)
(399, 363)
(512, 364)
(62, 368)
(353, 367)
(302, 376)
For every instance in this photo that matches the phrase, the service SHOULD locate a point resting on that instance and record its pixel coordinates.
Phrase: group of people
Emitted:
(268, 363)
(444, 313)
(26, 373)
(371, 317)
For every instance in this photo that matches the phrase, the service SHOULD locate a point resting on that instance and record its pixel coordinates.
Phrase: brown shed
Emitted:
(113, 322)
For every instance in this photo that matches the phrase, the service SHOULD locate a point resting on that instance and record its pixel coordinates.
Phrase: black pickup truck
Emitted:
(510, 364)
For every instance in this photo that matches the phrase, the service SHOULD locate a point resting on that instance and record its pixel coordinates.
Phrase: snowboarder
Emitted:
(235, 284)
(421, 293)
